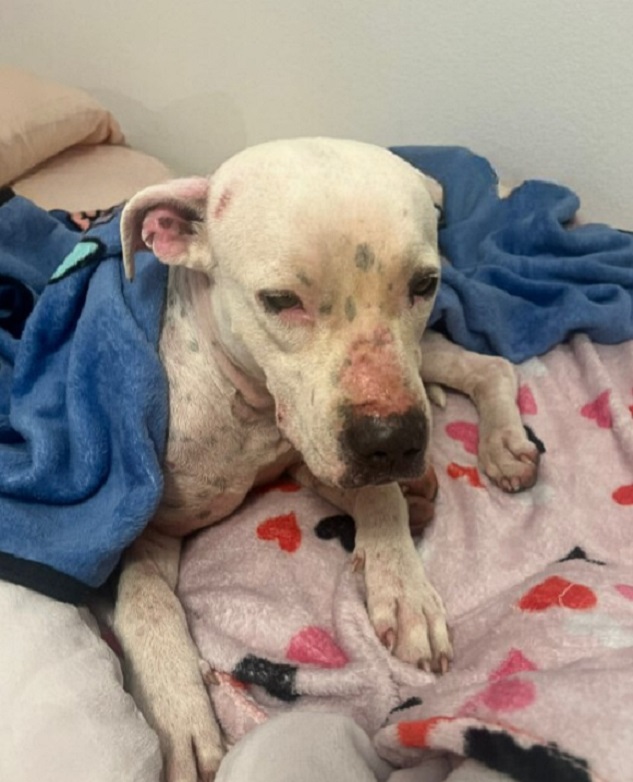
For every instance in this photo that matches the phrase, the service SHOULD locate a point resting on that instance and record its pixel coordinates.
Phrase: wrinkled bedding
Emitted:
(538, 588)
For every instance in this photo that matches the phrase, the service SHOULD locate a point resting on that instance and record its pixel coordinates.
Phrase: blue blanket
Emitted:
(83, 400)
(518, 281)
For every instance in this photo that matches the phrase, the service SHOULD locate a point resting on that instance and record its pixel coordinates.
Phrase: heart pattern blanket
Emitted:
(538, 587)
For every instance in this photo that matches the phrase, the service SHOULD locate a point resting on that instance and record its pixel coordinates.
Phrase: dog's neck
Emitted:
(189, 295)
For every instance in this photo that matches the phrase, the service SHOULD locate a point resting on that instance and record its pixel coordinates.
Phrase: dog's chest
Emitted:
(218, 444)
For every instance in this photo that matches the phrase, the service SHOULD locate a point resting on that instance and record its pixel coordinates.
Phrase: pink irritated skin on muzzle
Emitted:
(373, 378)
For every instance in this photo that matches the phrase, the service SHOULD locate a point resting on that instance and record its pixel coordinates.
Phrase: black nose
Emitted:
(383, 448)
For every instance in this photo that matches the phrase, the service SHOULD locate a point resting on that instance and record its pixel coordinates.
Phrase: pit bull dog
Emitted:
(302, 276)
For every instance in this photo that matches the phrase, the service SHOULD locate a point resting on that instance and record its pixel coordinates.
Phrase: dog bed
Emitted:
(537, 586)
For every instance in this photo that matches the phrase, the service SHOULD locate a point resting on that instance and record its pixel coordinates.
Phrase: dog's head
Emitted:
(323, 262)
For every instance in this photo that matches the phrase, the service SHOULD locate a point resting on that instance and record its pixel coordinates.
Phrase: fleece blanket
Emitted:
(518, 282)
(538, 588)
(83, 399)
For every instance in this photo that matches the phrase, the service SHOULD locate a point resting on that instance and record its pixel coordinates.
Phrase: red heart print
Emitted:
(315, 646)
(599, 410)
(471, 473)
(282, 529)
(465, 433)
(556, 591)
(416, 733)
(624, 495)
(526, 401)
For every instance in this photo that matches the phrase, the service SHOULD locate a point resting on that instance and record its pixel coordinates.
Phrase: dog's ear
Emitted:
(168, 219)
(436, 191)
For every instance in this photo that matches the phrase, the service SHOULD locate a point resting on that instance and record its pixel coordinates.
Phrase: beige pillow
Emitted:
(84, 178)
(39, 118)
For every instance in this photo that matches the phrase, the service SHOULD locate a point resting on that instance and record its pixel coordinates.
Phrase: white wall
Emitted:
(544, 88)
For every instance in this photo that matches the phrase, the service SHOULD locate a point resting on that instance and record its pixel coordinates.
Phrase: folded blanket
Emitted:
(83, 399)
(518, 281)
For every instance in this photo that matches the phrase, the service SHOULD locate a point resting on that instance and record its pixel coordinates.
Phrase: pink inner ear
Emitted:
(166, 233)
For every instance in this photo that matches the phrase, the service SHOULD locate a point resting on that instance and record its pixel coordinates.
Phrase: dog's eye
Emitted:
(423, 286)
(278, 301)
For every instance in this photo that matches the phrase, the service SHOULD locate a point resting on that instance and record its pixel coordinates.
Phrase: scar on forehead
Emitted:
(223, 201)
(350, 308)
(365, 257)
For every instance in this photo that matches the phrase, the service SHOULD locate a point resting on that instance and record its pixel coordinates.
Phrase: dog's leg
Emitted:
(404, 608)
(161, 661)
(506, 454)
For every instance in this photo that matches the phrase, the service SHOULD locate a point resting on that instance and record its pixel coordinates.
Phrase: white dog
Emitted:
(303, 275)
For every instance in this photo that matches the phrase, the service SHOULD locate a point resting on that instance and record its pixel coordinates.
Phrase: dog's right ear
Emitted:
(169, 220)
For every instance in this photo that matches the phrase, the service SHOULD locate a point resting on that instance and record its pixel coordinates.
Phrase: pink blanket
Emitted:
(538, 588)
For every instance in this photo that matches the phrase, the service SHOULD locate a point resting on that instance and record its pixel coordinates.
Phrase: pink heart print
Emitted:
(315, 646)
(526, 401)
(465, 433)
(626, 590)
(599, 410)
(505, 692)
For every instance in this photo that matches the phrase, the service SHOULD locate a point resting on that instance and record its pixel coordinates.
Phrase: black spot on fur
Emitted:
(341, 527)
(534, 439)
(364, 257)
(579, 553)
(538, 763)
(303, 277)
(278, 679)
(350, 308)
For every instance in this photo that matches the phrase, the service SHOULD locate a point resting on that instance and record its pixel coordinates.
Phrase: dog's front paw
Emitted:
(509, 458)
(188, 732)
(406, 611)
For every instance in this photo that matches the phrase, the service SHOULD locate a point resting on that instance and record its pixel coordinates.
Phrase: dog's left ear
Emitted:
(168, 219)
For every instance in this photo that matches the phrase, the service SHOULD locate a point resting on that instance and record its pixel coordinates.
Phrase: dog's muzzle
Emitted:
(381, 449)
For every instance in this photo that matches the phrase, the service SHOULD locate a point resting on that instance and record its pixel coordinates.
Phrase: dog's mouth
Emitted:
(356, 476)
